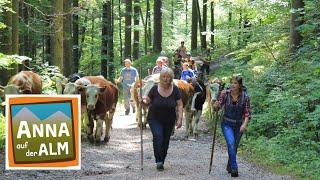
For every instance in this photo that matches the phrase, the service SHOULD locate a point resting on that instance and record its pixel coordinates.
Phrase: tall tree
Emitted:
(120, 31)
(157, 26)
(194, 25)
(58, 34)
(148, 23)
(296, 20)
(15, 27)
(229, 25)
(107, 55)
(75, 37)
(136, 10)
(212, 23)
(67, 37)
(239, 41)
(128, 23)
(6, 33)
(104, 39)
(112, 72)
(186, 17)
(204, 26)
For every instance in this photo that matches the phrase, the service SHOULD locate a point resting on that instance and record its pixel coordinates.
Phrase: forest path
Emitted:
(120, 158)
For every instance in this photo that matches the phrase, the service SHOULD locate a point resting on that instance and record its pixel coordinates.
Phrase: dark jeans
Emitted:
(232, 135)
(161, 136)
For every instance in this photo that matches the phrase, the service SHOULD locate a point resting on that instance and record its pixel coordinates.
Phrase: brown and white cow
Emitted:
(135, 93)
(25, 82)
(101, 100)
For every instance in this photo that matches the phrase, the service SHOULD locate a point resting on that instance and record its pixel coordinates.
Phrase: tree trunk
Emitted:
(239, 42)
(104, 40)
(83, 32)
(194, 26)
(157, 26)
(145, 33)
(212, 25)
(136, 9)
(48, 41)
(67, 34)
(6, 33)
(120, 32)
(58, 35)
(92, 43)
(200, 23)
(75, 38)
(15, 27)
(24, 36)
(111, 71)
(229, 25)
(296, 20)
(204, 26)
(148, 22)
(187, 17)
(127, 38)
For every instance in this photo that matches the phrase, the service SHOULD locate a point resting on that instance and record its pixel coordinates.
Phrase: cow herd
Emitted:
(99, 99)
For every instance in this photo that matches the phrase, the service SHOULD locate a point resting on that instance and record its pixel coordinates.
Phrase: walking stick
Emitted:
(216, 117)
(140, 119)
(215, 92)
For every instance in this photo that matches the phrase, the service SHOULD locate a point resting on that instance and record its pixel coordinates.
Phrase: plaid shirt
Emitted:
(246, 102)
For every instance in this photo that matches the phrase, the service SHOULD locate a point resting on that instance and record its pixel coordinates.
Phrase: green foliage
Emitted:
(6, 61)
(2, 131)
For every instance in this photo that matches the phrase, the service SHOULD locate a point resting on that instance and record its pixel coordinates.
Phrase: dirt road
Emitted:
(120, 159)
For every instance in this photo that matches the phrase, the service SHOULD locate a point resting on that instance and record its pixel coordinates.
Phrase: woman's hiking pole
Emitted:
(140, 119)
(216, 118)
(215, 90)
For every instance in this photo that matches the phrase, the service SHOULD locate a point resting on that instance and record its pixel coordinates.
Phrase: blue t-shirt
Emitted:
(128, 76)
(186, 73)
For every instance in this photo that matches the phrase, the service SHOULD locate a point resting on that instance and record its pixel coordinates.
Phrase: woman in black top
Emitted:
(164, 111)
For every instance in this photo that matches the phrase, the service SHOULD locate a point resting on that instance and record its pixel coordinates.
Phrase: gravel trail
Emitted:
(120, 158)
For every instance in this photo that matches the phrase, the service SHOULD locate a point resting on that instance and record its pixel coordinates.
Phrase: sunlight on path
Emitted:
(121, 121)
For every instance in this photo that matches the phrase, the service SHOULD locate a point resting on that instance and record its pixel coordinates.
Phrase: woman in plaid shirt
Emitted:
(235, 104)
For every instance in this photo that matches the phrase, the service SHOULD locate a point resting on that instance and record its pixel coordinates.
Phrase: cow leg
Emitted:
(108, 121)
(138, 115)
(84, 118)
(145, 113)
(196, 122)
(90, 126)
(99, 128)
(188, 118)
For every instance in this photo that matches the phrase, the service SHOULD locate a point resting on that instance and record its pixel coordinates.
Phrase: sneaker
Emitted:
(127, 112)
(234, 173)
(160, 166)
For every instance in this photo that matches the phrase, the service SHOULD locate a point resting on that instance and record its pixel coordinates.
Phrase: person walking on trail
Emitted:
(158, 67)
(235, 104)
(128, 76)
(182, 50)
(164, 100)
(186, 73)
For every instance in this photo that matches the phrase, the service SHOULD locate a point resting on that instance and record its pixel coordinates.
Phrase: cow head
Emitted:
(92, 92)
(71, 88)
(149, 82)
(215, 87)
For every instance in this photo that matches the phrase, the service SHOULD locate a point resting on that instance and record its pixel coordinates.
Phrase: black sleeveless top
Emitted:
(163, 109)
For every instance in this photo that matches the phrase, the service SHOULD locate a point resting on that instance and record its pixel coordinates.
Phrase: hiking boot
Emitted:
(160, 166)
(228, 167)
(234, 173)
